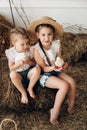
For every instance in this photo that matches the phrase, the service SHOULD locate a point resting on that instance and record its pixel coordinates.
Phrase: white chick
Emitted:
(59, 62)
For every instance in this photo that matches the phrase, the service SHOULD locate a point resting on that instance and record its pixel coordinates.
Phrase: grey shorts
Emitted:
(45, 76)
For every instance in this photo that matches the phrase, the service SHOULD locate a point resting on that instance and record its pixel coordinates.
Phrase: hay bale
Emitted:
(74, 46)
(11, 97)
(5, 27)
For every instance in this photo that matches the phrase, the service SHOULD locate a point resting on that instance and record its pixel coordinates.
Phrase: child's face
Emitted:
(45, 35)
(22, 44)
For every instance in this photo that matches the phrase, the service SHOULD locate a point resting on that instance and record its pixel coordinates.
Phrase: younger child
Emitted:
(46, 32)
(21, 64)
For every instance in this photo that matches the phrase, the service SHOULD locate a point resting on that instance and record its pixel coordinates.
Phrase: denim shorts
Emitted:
(46, 75)
(25, 80)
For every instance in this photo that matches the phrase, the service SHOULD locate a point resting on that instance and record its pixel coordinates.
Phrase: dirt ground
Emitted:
(39, 120)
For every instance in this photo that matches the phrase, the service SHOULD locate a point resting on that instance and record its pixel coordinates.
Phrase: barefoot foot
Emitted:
(24, 99)
(32, 94)
(71, 111)
(53, 118)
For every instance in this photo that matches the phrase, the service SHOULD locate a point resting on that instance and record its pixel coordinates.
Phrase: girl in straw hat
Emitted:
(45, 32)
(21, 64)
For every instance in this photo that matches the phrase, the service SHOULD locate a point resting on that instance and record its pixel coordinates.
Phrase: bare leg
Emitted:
(62, 86)
(17, 81)
(71, 93)
(33, 75)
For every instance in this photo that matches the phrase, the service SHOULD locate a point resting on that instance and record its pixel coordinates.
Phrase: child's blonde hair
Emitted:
(18, 33)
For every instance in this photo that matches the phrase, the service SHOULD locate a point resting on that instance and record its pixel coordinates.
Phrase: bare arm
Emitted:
(40, 61)
(13, 66)
(59, 52)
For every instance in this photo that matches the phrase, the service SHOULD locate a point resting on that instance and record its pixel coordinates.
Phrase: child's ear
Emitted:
(37, 34)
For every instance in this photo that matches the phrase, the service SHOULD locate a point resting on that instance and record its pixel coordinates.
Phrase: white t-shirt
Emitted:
(51, 53)
(15, 56)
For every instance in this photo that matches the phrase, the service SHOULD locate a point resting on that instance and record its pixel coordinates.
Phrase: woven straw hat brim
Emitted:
(44, 20)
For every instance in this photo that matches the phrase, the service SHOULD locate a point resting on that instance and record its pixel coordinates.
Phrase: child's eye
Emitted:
(27, 43)
(43, 34)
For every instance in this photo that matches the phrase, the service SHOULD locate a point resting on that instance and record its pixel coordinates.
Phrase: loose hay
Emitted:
(74, 47)
(5, 27)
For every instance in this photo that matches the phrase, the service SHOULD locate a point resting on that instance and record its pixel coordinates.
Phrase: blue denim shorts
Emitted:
(25, 80)
(46, 75)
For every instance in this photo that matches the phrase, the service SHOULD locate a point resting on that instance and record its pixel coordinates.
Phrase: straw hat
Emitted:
(44, 20)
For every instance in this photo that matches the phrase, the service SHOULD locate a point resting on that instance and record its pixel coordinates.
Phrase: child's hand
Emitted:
(26, 61)
(56, 68)
(65, 65)
(20, 62)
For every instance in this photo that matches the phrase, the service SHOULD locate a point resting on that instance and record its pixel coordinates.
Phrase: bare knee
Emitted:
(65, 86)
(14, 75)
(72, 83)
(36, 71)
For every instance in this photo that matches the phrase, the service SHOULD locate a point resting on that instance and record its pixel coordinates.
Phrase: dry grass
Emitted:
(38, 119)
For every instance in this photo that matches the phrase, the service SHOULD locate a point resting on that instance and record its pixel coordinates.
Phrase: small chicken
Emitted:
(59, 62)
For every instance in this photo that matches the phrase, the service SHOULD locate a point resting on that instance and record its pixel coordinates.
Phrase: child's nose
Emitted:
(47, 37)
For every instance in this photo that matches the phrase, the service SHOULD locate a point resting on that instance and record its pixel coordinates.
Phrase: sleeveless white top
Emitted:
(51, 53)
(15, 56)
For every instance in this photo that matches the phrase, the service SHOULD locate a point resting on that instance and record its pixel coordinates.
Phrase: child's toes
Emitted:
(24, 100)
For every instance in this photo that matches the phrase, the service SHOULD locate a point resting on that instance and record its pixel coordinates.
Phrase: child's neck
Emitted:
(47, 47)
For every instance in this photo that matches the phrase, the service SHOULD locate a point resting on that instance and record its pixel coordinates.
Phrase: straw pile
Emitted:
(5, 27)
(74, 47)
